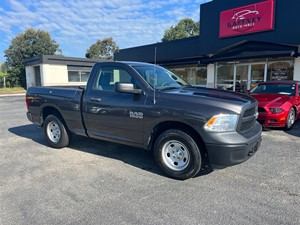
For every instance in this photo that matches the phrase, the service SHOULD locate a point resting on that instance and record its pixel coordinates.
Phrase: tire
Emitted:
(55, 132)
(177, 154)
(290, 120)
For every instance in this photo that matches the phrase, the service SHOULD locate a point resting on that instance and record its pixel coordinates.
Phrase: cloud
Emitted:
(17, 6)
(76, 24)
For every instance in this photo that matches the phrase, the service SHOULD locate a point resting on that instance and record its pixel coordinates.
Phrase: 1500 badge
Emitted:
(137, 115)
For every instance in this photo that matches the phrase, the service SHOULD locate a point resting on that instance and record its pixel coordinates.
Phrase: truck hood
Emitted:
(270, 99)
(213, 98)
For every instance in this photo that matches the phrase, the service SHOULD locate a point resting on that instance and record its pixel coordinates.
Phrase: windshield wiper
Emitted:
(188, 85)
(168, 88)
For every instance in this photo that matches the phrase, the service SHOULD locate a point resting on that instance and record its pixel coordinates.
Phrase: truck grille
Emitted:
(250, 112)
(247, 119)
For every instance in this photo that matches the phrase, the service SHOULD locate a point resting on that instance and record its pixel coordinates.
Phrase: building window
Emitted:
(194, 75)
(78, 76)
(280, 69)
(84, 75)
(224, 78)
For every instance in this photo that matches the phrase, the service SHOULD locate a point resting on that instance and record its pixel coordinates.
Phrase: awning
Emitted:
(252, 50)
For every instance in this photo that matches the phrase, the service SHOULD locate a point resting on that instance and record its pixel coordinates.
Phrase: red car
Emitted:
(278, 103)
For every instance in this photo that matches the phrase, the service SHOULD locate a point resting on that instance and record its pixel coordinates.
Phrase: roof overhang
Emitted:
(60, 60)
(252, 50)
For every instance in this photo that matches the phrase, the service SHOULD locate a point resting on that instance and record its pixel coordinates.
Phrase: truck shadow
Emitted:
(29, 131)
(136, 157)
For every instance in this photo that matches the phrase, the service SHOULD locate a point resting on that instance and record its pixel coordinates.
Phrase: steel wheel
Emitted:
(290, 119)
(175, 155)
(53, 131)
(56, 132)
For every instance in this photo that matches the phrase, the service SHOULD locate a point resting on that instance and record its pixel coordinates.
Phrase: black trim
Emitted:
(61, 60)
(170, 52)
(251, 50)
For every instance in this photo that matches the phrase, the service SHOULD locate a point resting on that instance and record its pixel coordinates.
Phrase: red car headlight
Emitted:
(276, 110)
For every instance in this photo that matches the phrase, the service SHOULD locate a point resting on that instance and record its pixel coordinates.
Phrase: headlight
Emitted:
(276, 110)
(222, 123)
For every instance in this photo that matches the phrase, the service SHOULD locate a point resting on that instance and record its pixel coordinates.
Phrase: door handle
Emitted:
(96, 99)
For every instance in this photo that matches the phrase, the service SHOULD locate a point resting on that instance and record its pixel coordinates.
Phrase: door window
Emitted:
(108, 76)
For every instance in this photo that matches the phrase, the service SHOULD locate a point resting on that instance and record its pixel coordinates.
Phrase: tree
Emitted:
(3, 69)
(26, 45)
(184, 29)
(3, 74)
(103, 49)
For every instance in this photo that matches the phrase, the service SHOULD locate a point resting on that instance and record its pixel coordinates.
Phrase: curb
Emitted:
(12, 94)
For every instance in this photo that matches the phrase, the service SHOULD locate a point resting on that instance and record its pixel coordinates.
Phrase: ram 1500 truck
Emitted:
(149, 107)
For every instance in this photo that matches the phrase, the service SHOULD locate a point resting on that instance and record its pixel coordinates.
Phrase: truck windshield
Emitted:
(159, 77)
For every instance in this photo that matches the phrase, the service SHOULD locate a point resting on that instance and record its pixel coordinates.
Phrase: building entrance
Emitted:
(247, 76)
(240, 77)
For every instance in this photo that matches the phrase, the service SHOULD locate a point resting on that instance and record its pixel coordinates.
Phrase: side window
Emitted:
(108, 76)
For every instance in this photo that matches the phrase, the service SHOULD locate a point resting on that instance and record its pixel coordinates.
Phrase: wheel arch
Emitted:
(297, 114)
(167, 125)
(295, 109)
(50, 110)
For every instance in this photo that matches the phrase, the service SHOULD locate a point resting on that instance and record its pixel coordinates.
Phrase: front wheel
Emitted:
(55, 132)
(290, 118)
(177, 154)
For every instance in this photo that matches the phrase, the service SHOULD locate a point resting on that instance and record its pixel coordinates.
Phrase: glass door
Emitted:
(242, 78)
(257, 74)
(247, 76)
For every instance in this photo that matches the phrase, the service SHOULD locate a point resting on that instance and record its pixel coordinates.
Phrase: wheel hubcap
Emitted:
(175, 155)
(53, 132)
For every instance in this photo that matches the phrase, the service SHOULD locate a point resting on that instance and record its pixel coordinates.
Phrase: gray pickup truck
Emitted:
(149, 107)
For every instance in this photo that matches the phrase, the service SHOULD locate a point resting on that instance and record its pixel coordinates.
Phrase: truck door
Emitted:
(112, 115)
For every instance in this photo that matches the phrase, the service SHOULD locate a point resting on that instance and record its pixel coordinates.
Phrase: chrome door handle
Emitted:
(96, 99)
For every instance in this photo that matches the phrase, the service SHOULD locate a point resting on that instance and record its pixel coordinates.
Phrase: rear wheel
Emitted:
(290, 118)
(55, 132)
(177, 154)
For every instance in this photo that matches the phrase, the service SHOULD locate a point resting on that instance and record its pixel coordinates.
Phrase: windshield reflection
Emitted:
(160, 78)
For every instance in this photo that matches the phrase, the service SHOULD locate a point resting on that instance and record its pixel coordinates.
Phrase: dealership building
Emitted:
(241, 42)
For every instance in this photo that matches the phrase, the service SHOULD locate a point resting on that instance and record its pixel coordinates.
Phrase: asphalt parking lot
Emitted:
(96, 182)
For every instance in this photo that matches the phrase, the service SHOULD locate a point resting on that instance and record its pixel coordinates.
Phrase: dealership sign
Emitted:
(247, 19)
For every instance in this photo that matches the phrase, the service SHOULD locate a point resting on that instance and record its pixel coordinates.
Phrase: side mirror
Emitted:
(126, 88)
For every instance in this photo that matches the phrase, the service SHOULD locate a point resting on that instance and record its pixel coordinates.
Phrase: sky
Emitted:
(77, 24)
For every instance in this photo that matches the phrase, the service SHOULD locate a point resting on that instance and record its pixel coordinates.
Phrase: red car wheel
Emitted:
(290, 118)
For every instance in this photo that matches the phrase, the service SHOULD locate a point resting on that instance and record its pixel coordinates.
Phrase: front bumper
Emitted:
(234, 148)
(272, 120)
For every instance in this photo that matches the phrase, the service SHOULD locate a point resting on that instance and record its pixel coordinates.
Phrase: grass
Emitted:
(11, 90)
